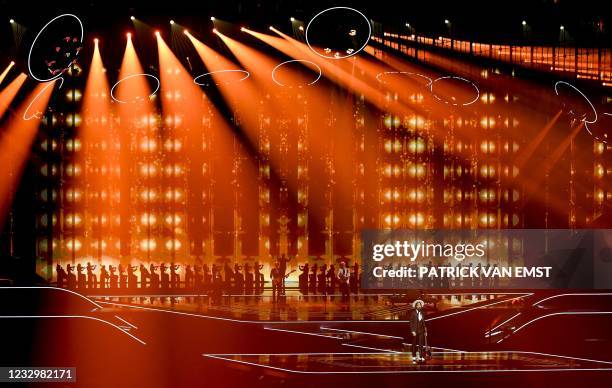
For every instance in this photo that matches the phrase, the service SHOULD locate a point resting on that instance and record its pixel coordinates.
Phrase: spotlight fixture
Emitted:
(156, 33)
(186, 31)
(562, 28)
(271, 28)
(96, 40)
(132, 18)
(408, 25)
(129, 35)
(292, 19)
(12, 63)
(12, 21)
(171, 21)
(524, 23)
(301, 28)
(214, 30)
(212, 18)
(446, 21)
(242, 29)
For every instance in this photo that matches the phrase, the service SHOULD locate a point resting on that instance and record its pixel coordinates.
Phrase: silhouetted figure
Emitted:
(92, 279)
(229, 277)
(303, 278)
(321, 280)
(61, 275)
(276, 277)
(104, 277)
(208, 277)
(217, 284)
(71, 283)
(114, 278)
(312, 279)
(343, 281)
(122, 277)
(154, 276)
(283, 261)
(354, 281)
(145, 275)
(175, 278)
(259, 278)
(81, 280)
(198, 278)
(238, 280)
(165, 277)
(132, 280)
(249, 279)
(188, 277)
(331, 279)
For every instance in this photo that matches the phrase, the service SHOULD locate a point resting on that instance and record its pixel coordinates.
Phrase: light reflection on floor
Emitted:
(402, 362)
(297, 307)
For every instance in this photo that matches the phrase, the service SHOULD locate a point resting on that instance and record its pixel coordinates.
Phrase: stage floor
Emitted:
(399, 363)
(296, 307)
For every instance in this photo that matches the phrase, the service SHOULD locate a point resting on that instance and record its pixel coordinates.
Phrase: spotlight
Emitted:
(132, 18)
(186, 32)
(242, 29)
(157, 33)
(524, 23)
(12, 63)
(446, 21)
(12, 21)
(301, 28)
(212, 18)
(129, 35)
(96, 40)
(408, 25)
(292, 19)
(214, 30)
(562, 28)
(171, 21)
(271, 28)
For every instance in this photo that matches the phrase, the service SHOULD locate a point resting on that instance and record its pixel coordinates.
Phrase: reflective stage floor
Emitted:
(399, 363)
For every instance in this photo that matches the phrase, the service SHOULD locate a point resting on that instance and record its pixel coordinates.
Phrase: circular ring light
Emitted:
(583, 96)
(460, 79)
(383, 73)
(295, 60)
(36, 38)
(246, 75)
(112, 92)
(340, 56)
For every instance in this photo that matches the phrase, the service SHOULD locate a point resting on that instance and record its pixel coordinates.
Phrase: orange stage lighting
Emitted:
(6, 71)
(16, 142)
(8, 93)
(96, 144)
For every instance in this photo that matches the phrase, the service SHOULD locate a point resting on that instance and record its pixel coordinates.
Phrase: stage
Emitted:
(288, 194)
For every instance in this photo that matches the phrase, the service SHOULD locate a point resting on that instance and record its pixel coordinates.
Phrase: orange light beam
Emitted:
(286, 102)
(98, 148)
(8, 94)
(6, 71)
(528, 151)
(136, 122)
(16, 142)
(345, 78)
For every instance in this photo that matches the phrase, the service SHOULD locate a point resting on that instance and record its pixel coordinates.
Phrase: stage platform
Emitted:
(296, 307)
(400, 363)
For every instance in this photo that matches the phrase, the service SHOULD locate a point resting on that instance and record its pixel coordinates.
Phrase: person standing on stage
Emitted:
(283, 261)
(343, 281)
(419, 332)
(277, 277)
